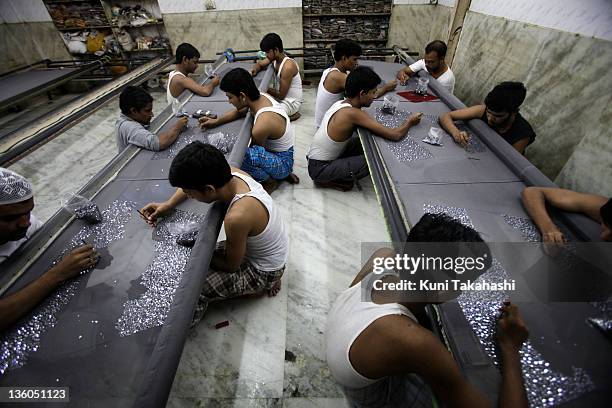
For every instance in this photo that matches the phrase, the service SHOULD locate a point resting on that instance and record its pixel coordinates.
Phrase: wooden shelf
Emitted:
(149, 50)
(333, 40)
(84, 28)
(347, 15)
(144, 25)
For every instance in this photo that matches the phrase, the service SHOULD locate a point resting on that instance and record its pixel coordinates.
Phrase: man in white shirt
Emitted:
(434, 63)
(17, 225)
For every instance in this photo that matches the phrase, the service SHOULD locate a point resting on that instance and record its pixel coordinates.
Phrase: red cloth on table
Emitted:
(414, 97)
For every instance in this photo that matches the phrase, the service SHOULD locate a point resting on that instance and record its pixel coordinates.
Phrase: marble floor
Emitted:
(272, 352)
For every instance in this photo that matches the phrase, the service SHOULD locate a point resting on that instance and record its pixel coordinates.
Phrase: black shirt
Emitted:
(520, 129)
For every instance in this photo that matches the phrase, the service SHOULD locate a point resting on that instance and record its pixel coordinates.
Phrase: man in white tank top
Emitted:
(252, 258)
(434, 63)
(336, 159)
(380, 353)
(287, 81)
(331, 85)
(187, 57)
(269, 159)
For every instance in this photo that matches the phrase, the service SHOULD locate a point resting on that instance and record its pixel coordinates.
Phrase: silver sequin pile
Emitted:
(161, 279)
(26, 335)
(391, 120)
(407, 150)
(89, 213)
(604, 321)
(528, 230)
(545, 387)
(225, 143)
(430, 119)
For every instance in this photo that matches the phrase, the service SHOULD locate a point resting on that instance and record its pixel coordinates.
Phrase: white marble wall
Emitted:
(568, 100)
(415, 25)
(23, 11)
(591, 18)
(215, 31)
(193, 6)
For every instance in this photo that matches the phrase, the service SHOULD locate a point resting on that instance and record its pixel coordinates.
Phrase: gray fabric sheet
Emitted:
(23, 82)
(100, 366)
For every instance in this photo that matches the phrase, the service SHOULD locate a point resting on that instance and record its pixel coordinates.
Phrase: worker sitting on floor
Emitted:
(269, 159)
(501, 112)
(136, 114)
(434, 63)
(287, 82)
(336, 158)
(187, 57)
(17, 225)
(597, 207)
(333, 79)
(252, 258)
(381, 354)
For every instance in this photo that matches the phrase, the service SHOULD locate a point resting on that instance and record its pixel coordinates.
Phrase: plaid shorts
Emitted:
(262, 164)
(226, 285)
(395, 391)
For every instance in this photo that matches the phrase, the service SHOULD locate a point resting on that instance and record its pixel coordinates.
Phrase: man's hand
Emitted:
(181, 123)
(256, 68)
(553, 236)
(402, 77)
(389, 86)
(215, 80)
(79, 259)
(462, 138)
(511, 330)
(415, 118)
(152, 211)
(207, 123)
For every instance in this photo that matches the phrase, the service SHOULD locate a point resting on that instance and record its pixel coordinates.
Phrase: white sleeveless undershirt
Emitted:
(348, 318)
(269, 250)
(286, 141)
(325, 99)
(323, 147)
(295, 90)
(176, 104)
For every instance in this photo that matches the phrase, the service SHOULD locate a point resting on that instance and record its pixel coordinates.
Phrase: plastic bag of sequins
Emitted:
(82, 208)
(185, 232)
(434, 136)
(221, 142)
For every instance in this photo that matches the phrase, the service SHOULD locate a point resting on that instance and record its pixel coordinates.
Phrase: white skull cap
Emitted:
(14, 188)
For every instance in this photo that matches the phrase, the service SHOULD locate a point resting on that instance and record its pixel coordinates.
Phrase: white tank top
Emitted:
(286, 141)
(295, 90)
(323, 147)
(348, 318)
(176, 104)
(269, 250)
(325, 99)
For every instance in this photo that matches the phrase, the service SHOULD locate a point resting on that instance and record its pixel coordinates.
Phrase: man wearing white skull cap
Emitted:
(17, 225)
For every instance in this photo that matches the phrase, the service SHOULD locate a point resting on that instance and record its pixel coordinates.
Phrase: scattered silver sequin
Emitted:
(89, 213)
(603, 322)
(224, 143)
(474, 144)
(528, 230)
(544, 386)
(24, 338)
(407, 150)
(460, 214)
(391, 120)
(161, 279)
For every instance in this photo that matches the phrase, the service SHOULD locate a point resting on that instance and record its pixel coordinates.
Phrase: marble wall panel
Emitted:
(215, 31)
(413, 26)
(26, 43)
(568, 93)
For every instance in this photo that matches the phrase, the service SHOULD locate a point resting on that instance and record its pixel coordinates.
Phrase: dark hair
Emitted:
(186, 50)
(133, 97)
(198, 165)
(506, 97)
(438, 46)
(442, 228)
(271, 41)
(606, 213)
(360, 79)
(239, 80)
(346, 48)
